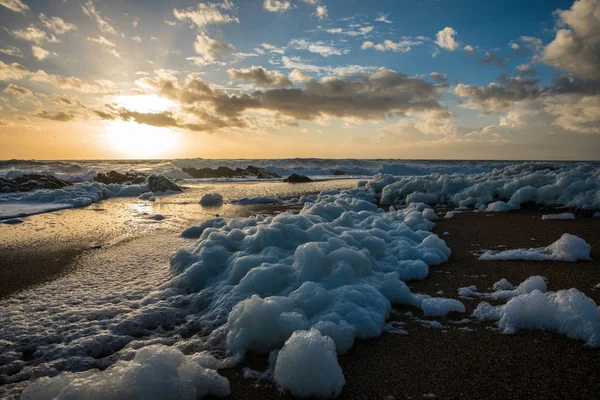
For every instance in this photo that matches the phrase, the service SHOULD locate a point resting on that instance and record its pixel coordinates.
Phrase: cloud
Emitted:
(298, 63)
(577, 49)
(101, 40)
(445, 39)
(137, 39)
(359, 97)
(319, 47)
(206, 14)
(12, 51)
(57, 25)
(72, 83)
(40, 53)
(273, 49)
(18, 91)
(526, 69)
(575, 113)
(491, 58)
(500, 97)
(468, 48)
(61, 116)
(209, 50)
(300, 76)
(383, 18)
(33, 34)
(260, 76)
(276, 5)
(354, 31)
(402, 46)
(14, 71)
(438, 77)
(15, 5)
(321, 12)
(103, 23)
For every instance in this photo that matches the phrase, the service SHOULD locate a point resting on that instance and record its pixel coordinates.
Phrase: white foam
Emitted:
(156, 372)
(568, 312)
(567, 248)
(211, 199)
(558, 216)
(307, 366)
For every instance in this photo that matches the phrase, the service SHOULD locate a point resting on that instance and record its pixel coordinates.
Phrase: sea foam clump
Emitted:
(568, 312)
(156, 372)
(211, 199)
(335, 267)
(501, 190)
(567, 248)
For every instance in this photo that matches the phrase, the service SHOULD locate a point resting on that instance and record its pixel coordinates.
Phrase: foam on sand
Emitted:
(563, 216)
(567, 248)
(211, 199)
(307, 366)
(568, 312)
(156, 372)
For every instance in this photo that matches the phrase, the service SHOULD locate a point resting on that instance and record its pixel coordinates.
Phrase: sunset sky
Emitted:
(300, 78)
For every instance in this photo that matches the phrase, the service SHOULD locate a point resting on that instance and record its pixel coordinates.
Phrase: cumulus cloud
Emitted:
(14, 71)
(260, 76)
(500, 96)
(526, 69)
(40, 53)
(33, 34)
(445, 39)
(321, 12)
(57, 25)
(300, 76)
(468, 48)
(438, 77)
(277, 5)
(491, 58)
(361, 96)
(575, 113)
(89, 9)
(209, 50)
(18, 91)
(15, 5)
(206, 14)
(577, 49)
(402, 46)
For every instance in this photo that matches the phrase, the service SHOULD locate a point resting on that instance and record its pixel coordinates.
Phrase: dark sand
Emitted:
(481, 364)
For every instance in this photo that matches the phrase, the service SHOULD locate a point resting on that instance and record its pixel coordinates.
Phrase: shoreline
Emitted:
(472, 360)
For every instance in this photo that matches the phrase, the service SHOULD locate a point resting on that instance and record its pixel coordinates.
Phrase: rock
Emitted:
(340, 172)
(27, 182)
(295, 178)
(120, 178)
(226, 172)
(159, 183)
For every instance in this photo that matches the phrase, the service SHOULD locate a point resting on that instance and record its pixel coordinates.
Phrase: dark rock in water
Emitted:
(159, 183)
(340, 172)
(120, 178)
(295, 178)
(27, 182)
(226, 172)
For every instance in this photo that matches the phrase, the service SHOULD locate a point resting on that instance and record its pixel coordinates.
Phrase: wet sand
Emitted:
(453, 363)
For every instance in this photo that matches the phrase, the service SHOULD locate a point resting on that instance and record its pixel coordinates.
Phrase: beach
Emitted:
(474, 359)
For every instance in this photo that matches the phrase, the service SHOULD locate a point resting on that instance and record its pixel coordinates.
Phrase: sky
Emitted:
(422, 79)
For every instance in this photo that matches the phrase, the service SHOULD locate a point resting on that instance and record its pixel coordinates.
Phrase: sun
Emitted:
(134, 140)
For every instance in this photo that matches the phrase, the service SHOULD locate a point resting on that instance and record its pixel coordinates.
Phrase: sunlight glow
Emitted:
(150, 103)
(140, 141)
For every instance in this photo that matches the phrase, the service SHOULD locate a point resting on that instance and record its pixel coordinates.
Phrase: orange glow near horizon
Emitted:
(134, 140)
